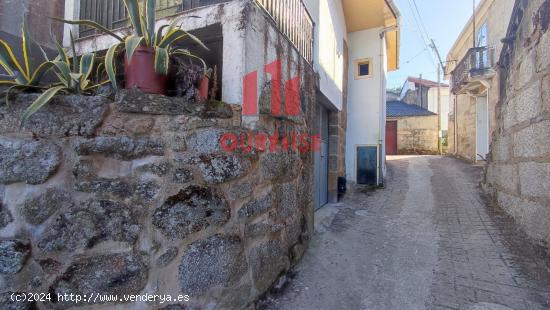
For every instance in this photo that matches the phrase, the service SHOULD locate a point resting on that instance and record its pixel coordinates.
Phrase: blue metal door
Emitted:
(367, 165)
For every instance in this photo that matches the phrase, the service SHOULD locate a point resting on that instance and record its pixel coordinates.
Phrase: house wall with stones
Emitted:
(518, 173)
(495, 15)
(137, 195)
(462, 124)
(417, 135)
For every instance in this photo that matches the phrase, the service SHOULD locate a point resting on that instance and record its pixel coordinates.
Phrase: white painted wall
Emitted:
(433, 105)
(234, 60)
(330, 34)
(366, 119)
(406, 87)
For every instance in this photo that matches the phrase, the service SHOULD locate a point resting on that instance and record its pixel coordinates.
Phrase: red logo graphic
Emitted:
(261, 141)
(292, 92)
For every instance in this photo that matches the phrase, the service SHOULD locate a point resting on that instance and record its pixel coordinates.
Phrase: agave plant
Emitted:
(143, 22)
(73, 76)
(22, 75)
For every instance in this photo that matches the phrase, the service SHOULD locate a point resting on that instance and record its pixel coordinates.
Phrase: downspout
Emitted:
(382, 106)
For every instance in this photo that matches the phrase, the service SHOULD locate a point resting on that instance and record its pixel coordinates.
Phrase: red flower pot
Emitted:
(140, 72)
(204, 85)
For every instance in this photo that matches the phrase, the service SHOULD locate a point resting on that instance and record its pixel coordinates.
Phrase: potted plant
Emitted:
(147, 50)
(204, 85)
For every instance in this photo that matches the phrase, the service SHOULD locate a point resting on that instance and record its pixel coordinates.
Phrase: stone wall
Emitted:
(338, 124)
(463, 123)
(137, 196)
(518, 174)
(417, 135)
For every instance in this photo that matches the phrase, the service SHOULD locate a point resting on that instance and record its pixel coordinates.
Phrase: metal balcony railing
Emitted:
(478, 62)
(294, 21)
(290, 16)
(112, 14)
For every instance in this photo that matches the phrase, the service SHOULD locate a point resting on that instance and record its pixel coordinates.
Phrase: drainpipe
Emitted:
(382, 106)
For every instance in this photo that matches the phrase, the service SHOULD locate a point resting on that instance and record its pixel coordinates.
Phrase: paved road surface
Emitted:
(426, 241)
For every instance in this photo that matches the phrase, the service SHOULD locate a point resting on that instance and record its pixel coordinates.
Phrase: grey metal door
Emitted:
(321, 161)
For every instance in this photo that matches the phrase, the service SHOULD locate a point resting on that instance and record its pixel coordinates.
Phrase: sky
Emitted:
(443, 20)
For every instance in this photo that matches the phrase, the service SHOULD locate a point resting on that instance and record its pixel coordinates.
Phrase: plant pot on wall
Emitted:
(140, 72)
(204, 86)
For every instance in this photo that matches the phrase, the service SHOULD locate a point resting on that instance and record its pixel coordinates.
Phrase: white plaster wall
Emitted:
(330, 34)
(233, 41)
(365, 95)
(433, 105)
(406, 87)
(262, 45)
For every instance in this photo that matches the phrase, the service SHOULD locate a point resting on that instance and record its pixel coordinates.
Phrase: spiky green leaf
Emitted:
(40, 72)
(94, 86)
(179, 19)
(150, 12)
(132, 7)
(159, 34)
(10, 63)
(110, 64)
(161, 60)
(42, 100)
(185, 52)
(73, 51)
(62, 53)
(132, 42)
(8, 83)
(87, 65)
(91, 24)
(177, 34)
(26, 48)
(63, 72)
(100, 71)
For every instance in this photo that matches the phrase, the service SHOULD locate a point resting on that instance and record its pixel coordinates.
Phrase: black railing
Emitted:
(112, 14)
(291, 17)
(294, 21)
(478, 62)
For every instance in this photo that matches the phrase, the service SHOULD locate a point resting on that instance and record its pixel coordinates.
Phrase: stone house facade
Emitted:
(428, 95)
(414, 130)
(473, 75)
(335, 47)
(518, 172)
(145, 182)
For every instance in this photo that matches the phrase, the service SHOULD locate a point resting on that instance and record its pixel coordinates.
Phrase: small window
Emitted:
(363, 69)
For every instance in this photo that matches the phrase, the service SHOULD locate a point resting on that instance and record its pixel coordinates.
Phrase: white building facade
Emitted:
(347, 36)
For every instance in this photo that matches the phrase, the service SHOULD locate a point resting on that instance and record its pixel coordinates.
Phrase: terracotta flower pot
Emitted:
(140, 72)
(204, 85)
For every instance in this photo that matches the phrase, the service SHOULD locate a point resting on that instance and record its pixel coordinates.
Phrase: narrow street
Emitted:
(426, 241)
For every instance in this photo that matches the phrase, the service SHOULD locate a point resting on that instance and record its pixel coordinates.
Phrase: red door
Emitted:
(391, 138)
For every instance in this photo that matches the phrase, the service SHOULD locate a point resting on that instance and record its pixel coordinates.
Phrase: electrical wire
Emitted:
(421, 27)
(416, 56)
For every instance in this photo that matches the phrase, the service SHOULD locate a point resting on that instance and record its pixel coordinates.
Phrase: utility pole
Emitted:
(421, 95)
(439, 114)
(440, 67)
(474, 22)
